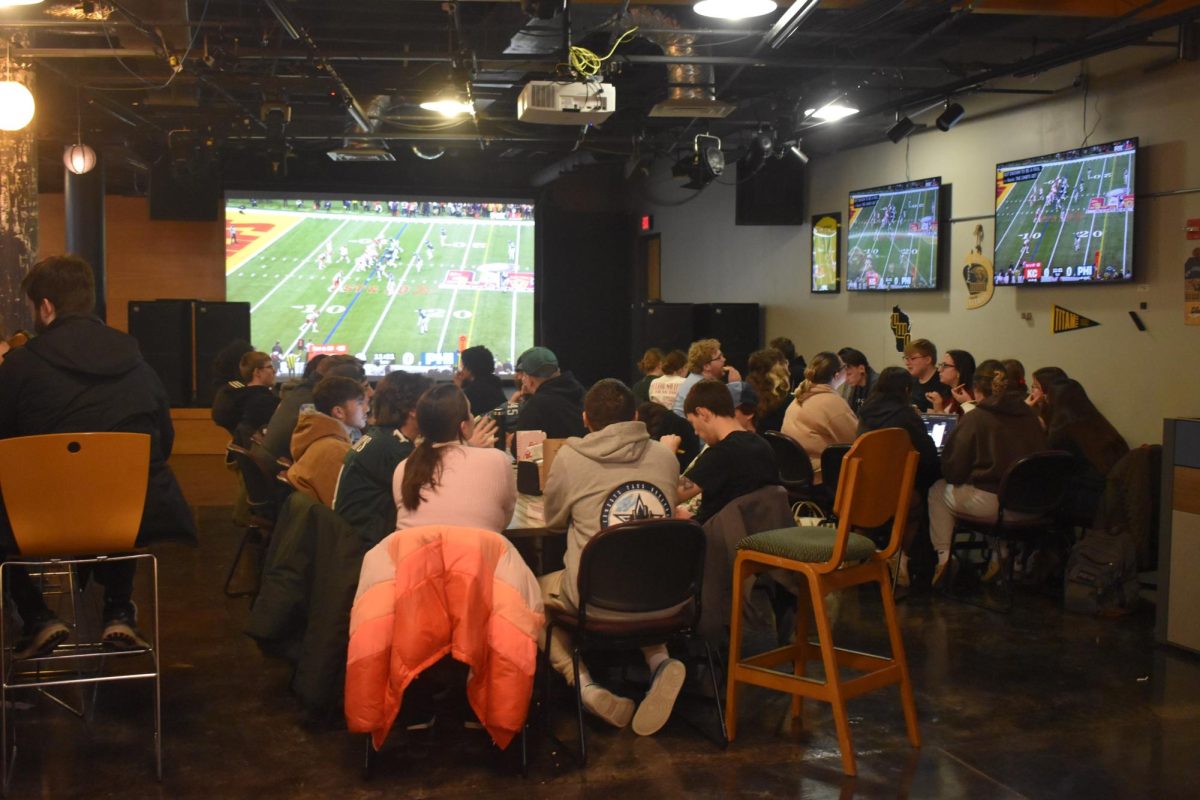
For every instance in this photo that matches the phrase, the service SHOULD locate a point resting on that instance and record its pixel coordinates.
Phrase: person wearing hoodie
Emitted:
(244, 407)
(819, 416)
(322, 436)
(554, 401)
(982, 447)
(80, 375)
(615, 474)
(889, 405)
(278, 437)
(477, 378)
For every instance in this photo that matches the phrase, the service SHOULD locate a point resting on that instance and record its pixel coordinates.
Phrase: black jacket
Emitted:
(556, 408)
(887, 412)
(82, 376)
(242, 409)
(485, 393)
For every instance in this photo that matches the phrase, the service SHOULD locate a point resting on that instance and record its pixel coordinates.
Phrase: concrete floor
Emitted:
(1038, 704)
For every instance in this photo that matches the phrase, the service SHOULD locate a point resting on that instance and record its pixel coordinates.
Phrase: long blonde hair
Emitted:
(820, 371)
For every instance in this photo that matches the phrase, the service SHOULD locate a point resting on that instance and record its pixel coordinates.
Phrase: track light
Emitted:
(903, 127)
(831, 111)
(798, 153)
(950, 117)
(706, 163)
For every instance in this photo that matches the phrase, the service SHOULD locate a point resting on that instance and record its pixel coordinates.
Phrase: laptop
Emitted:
(938, 426)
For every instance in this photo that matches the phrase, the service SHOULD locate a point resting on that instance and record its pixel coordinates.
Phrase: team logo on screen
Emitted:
(634, 500)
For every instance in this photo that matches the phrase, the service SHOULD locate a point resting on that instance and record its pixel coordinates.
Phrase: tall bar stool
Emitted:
(106, 475)
(875, 486)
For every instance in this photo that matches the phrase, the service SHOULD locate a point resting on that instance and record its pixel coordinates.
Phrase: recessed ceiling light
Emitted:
(832, 112)
(734, 9)
(449, 107)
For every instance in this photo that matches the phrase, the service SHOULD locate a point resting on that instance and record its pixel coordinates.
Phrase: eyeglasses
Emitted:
(946, 365)
(717, 357)
(914, 358)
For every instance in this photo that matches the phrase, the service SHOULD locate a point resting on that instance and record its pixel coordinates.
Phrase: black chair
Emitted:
(264, 495)
(637, 567)
(831, 466)
(1034, 487)
(795, 468)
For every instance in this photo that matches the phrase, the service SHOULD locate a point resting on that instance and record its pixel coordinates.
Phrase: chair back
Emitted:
(642, 566)
(875, 486)
(262, 490)
(75, 493)
(795, 468)
(1037, 483)
(831, 465)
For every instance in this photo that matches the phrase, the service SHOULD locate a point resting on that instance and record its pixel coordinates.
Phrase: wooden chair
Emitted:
(875, 486)
(106, 476)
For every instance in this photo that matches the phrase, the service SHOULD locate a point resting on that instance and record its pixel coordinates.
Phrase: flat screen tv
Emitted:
(1066, 218)
(401, 282)
(892, 237)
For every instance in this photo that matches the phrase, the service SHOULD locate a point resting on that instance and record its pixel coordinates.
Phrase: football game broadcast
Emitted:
(401, 283)
(1066, 218)
(892, 237)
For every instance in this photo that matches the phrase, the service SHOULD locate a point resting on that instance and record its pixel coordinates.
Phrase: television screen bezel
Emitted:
(1133, 276)
(939, 240)
(836, 216)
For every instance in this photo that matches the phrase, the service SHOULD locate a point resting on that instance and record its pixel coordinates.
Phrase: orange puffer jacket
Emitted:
(439, 589)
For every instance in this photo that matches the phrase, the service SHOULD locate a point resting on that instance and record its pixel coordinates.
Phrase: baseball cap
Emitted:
(743, 394)
(539, 362)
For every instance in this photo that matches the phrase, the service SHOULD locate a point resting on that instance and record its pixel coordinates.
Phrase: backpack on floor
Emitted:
(1101, 575)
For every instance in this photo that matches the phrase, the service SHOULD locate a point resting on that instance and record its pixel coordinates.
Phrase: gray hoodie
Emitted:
(613, 475)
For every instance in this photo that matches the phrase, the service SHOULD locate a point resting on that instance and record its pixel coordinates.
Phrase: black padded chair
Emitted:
(795, 468)
(1035, 487)
(264, 495)
(831, 466)
(638, 567)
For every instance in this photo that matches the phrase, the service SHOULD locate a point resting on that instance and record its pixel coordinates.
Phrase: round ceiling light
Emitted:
(734, 9)
(16, 106)
(79, 158)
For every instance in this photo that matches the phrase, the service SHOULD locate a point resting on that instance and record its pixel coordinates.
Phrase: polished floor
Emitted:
(1037, 704)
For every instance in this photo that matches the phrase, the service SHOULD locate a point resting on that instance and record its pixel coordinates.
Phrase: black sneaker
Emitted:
(120, 632)
(41, 637)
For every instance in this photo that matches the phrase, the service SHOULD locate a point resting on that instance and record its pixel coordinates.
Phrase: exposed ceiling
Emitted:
(210, 82)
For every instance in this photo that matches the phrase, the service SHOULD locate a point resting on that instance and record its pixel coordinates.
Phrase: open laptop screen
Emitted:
(939, 426)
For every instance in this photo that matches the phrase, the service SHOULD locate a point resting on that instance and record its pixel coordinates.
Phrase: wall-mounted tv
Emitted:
(1066, 218)
(826, 253)
(401, 282)
(892, 237)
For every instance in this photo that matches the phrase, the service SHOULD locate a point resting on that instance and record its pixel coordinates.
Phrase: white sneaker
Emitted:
(613, 709)
(655, 709)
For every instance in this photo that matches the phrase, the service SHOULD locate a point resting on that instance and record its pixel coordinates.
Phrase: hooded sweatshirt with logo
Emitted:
(319, 444)
(614, 475)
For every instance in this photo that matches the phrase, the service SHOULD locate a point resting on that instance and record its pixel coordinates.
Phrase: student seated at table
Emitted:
(445, 481)
(364, 488)
(244, 407)
(615, 474)
(322, 436)
(736, 462)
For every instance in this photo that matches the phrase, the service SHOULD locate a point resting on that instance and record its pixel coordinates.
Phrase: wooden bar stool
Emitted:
(875, 486)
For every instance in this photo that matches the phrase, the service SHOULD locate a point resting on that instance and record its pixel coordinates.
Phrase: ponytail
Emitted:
(440, 414)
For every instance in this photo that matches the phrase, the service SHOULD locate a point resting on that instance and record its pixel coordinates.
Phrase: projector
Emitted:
(566, 103)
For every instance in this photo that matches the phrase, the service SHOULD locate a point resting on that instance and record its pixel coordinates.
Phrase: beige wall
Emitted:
(1136, 378)
(146, 260)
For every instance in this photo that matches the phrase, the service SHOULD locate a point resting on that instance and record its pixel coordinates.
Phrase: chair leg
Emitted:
(237, 559)
(578, 706)
(5, 764)
(158, 754)
(735, 651)
(898, 655)
(832, 679)
(804, 617)
(712, 674)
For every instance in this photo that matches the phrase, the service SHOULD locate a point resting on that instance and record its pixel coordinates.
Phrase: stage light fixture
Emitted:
(832, 111)
(950, 117)
(903, 127)
(798, 153)
(706, 162)
(734, 9)
(449, 107)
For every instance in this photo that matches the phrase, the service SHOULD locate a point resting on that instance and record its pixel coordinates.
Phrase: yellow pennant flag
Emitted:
(1063, 320)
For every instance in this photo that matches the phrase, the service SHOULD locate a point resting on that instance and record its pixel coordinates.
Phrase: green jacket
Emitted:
(364, 491)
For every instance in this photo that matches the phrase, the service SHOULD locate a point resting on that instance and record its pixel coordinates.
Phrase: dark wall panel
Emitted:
(163, 329)
(217, 324)
(738, 326)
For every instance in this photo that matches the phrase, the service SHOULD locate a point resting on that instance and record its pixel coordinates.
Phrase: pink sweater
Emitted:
(477, 489)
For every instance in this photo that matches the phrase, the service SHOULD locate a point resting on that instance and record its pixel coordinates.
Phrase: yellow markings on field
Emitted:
(256, 230)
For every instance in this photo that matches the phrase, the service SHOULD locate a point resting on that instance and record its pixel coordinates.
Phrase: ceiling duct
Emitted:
(691, 91)
(354, 149)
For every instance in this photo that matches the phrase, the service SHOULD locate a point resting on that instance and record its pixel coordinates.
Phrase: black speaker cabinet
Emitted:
(163, 329)
(217, 324)
(667, 326)
(180, 338)
(738, 326)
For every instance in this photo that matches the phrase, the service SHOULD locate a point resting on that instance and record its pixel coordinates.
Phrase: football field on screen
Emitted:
(902, 250)
(1086, 232)
(468, 277)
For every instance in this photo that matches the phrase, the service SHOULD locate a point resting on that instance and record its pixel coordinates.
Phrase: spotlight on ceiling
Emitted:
(734, 9)
(950, 117)
(798, 153)
(449, 107)
(706, 162)
(903, 127)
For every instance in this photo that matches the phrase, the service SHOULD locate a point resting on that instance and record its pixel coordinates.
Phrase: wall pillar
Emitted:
(18, 211)
(84, 198)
